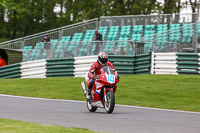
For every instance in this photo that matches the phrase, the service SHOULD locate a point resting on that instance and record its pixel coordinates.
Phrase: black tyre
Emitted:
(110, 104)
(90, 107)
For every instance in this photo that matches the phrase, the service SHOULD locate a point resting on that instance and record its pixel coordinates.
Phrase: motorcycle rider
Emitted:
(94, 71)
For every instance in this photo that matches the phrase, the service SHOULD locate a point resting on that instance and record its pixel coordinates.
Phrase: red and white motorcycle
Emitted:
(103, 90)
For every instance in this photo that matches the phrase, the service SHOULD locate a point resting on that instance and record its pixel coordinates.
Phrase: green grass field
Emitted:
(11, 126)
(180, 92)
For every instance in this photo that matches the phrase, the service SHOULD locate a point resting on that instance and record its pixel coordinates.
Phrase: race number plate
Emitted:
(110, 78)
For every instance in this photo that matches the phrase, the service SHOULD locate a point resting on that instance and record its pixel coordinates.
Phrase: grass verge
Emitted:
(11, 126)
(178, 92)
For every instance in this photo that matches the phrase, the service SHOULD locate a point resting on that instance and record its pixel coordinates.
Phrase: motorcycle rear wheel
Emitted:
(90, 107)
(110, 104)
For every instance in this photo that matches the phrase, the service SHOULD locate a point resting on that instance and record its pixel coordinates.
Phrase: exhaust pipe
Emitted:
(83, 87)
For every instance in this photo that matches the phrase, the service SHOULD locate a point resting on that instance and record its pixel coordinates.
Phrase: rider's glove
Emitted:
(95, 77)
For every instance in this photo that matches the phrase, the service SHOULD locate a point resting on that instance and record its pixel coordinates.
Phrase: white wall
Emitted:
(33, 69)
(82, 65)
(164, 63)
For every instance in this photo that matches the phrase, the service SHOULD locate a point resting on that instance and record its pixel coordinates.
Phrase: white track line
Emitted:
(44, 99)
(128, 106)
(158, 109)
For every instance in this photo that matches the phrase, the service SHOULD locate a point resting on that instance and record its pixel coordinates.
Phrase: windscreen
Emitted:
(107, 70)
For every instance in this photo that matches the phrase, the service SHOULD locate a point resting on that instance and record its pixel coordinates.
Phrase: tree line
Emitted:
(20, 18)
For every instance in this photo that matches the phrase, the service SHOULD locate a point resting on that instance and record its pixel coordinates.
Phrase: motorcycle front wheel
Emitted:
(110, 102)
(90, 107)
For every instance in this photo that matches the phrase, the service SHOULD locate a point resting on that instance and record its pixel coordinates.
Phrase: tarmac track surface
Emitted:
(124, 119)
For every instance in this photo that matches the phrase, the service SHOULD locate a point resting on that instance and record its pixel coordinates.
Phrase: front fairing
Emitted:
(105, 82)
(107, 79)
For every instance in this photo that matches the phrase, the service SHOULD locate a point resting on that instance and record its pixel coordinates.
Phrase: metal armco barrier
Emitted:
(33, 69)
(82, 65)
(123, 64)
(164, 63)
(142, 64)
(175, 63)
(188, 63)
(10, 71)
(154, 63)
(138, 64)
(60, 67)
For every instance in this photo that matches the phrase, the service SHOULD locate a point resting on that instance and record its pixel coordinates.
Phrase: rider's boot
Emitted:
(88, 94)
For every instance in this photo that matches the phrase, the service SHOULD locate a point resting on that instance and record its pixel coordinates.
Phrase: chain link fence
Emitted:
(76, 49)
(186, 37)
(149, 19)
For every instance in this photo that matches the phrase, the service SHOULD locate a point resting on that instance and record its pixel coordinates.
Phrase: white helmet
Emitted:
(102, 58)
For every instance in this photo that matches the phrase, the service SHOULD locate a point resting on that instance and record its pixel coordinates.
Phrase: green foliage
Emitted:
(163, 91)
(3, 39)
(20, 18)
(132, 7)
(171, 6)
(11, 126)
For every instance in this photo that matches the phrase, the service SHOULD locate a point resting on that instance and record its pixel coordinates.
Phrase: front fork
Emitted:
(105, 91)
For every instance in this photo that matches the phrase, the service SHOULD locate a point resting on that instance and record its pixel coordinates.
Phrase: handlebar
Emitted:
(96, 77)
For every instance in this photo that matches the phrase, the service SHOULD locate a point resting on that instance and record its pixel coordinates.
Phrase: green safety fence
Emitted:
(142, 64)
(188, 63)
(123, 64)
(10, 71)
(63, 67)
(138, 64)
